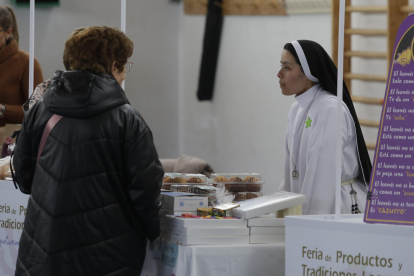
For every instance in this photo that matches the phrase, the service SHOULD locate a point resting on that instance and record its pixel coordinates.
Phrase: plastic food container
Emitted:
(182, 178)
(240, 196)
(194, 189)
(238, 182)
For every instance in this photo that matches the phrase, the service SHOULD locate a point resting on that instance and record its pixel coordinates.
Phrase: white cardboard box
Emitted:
(267, 230)
(177, 201)
(190, 231)
(193, 240)
(164, 212)
(205, 223)
(266, 221)
(267, 204)
(267, 238)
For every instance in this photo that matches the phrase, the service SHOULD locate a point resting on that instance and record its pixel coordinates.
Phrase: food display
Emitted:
(200, 190)
(242, 185)
(182, 178)
(220, 178)
(246, 195)
(195, 180)
(239, 196)
(253, 195)
(235, 184)
(189, 183)
(190, 216)
(252, 187)
(166, 182)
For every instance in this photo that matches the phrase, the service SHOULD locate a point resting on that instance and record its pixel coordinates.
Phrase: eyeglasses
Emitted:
(128, 66)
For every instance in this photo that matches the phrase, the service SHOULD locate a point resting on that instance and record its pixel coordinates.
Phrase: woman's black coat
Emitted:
(94, 192)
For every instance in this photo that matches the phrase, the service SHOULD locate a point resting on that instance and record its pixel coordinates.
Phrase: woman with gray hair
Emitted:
(94, 188)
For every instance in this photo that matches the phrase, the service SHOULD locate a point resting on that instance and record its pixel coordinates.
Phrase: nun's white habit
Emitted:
(311, 123)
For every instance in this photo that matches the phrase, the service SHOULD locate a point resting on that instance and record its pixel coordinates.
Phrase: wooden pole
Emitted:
(347, 38)
(366, 9)
(335, 27)
(338, 129)
(123, 25)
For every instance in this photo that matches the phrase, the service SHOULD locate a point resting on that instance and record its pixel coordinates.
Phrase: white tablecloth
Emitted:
(221, 260)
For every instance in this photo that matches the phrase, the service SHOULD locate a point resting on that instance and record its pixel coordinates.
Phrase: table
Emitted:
(221, 260)
(12, 217)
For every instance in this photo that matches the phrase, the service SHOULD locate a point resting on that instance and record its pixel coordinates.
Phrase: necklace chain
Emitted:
(295, 173)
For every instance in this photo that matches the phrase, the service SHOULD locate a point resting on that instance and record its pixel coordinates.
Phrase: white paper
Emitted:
(268, 203)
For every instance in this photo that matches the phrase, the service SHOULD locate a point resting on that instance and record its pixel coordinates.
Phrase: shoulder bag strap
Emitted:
(49, 126)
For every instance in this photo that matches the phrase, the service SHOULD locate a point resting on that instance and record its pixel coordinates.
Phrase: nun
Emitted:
(310, 75)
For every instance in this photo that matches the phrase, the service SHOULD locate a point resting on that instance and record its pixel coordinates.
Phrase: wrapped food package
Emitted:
(242, 185)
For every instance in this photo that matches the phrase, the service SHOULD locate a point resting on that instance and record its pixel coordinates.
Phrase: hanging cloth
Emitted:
(211, 46)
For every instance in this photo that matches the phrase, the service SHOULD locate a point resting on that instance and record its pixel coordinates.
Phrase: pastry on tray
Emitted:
(194, 180)
(233, 185)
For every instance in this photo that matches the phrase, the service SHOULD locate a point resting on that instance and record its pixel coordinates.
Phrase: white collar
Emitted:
(308, 96)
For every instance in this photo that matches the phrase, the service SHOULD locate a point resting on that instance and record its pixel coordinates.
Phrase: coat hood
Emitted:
(83, 94)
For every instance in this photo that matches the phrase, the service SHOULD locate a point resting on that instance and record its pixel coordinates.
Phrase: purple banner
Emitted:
(392, 178)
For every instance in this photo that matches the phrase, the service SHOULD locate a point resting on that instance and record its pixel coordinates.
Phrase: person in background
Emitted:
(310, 75)
(95, 188)
(14, 70)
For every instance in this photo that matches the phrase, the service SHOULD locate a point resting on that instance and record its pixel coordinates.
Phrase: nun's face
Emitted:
(291, 78)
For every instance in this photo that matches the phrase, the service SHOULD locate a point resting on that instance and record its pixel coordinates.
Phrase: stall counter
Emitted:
(321, 245)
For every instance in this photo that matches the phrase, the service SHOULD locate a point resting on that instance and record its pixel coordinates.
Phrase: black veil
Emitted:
(323, 68)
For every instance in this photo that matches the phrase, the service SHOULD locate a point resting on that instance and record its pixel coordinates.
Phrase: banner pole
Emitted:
(123, 25)
(31, 53)
(123, 15)
(339, 110)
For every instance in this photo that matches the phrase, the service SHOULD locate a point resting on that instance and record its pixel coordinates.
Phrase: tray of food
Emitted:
(183, 179)
(238, 182)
